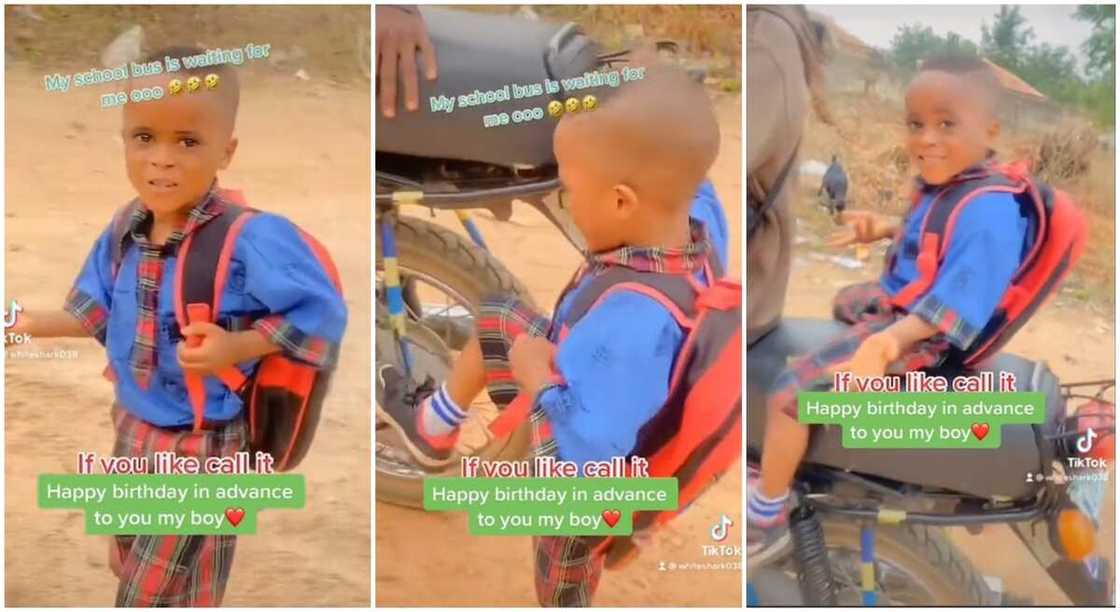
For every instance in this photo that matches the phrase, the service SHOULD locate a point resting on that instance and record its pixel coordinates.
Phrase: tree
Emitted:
(1101, 45)
(914, 42)
(1053, 72)
(1007, 41)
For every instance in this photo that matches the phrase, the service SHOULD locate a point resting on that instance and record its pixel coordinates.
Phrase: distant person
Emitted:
(913, 316)
(280, 299)
(400, 34)
(834, 185)
(601, 368)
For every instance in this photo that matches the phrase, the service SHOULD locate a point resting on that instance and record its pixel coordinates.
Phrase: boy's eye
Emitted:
(189, 142)
(946, 124)
(914, 125)
(143, 137)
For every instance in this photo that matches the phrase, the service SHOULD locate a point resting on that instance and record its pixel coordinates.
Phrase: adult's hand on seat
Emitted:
(400, 32)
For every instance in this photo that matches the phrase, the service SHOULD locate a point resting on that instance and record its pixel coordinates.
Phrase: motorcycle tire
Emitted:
(435, 251)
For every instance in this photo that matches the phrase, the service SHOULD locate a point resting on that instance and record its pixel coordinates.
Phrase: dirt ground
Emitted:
(65, 177)
(455, 569)
(1076, 339)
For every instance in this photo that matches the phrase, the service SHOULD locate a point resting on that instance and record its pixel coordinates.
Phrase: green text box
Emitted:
(921, 420)
(550, 506)
(155, 504)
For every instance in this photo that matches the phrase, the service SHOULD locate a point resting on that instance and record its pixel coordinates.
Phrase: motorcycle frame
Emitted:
(1023, 520)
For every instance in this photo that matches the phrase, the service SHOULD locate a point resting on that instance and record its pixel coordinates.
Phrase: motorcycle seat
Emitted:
(986, 473)
(487, 53)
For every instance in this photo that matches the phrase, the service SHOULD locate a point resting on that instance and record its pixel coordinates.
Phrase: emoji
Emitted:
(555, 108)
(572, 105)
(193, 83)
(211, 81)
(175, 86)
(589, 103)
(610, 517)
(980, 430)
(234, 515)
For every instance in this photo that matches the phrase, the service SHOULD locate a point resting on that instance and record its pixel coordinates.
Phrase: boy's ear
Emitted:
(993, 129)
(231, 148)
(625, 200)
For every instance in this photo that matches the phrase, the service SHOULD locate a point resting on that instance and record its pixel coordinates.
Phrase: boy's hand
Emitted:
(862, 226)
(873, 356)
(531, 357)
(218, 350)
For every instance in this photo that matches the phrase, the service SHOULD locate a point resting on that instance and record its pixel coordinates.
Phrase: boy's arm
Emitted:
(220, 349)
(982, 258)
(308, 315)
(85, 312)
(611, 377)
(49, 324)
(878, 350)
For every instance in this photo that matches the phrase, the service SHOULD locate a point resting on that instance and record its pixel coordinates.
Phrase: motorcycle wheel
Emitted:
(915, 566)
(431, 255)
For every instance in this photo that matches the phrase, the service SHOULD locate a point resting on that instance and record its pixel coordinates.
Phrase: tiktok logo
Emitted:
(719, 530)
(1085, 442)
(12, 314)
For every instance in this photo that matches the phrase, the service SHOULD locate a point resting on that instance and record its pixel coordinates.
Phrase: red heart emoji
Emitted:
(980, 430)
(234, 515)
(610, 517)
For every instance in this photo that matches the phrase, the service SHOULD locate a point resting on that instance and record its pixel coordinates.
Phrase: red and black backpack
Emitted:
(283, 398)
(1056, 225)
(696, 436)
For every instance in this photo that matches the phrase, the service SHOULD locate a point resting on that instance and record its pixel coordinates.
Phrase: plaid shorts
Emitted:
(567, 568)
(169, 570)
(868, 309)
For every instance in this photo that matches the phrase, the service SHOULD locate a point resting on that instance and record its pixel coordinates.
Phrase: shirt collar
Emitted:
(210, 205)
(682, 260)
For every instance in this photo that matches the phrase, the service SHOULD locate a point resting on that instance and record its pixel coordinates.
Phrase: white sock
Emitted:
(440, 415)
(763, 510)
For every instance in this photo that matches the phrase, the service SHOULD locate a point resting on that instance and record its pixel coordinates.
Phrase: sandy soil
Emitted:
(1077, 340)
(457, 569)
(65, 178)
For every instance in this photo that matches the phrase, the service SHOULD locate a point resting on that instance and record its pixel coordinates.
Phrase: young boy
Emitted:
(630, 170)
(278, 299)
(952, 124)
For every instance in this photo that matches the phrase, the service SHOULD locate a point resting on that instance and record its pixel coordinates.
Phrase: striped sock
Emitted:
(439, 414)
(762, 510)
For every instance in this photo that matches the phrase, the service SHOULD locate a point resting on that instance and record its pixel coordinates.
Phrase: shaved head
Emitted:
(228, 91)
(657, 134)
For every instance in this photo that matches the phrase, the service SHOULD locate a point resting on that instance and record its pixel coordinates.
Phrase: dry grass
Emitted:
(868, 137)
(70, 38)
(708, 33)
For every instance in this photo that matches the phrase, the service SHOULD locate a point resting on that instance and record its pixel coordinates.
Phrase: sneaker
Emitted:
(398, 403)
(767, 541)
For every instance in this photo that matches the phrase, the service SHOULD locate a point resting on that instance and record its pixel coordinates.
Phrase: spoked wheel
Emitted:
(444, 278)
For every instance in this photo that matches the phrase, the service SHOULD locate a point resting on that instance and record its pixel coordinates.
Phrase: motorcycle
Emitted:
(430, 279)
(868, 525)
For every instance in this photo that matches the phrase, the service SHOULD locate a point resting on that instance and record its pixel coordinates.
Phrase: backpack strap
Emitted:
(119, 233)
(200, 279)
(940, 221)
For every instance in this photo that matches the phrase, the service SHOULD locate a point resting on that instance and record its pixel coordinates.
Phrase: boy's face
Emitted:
(174, 147)
(950, 127)
(599, 208)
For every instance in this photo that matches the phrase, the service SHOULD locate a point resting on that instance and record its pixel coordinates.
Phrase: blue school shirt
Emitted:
(272, 272)
(616, 362)
(988, 244)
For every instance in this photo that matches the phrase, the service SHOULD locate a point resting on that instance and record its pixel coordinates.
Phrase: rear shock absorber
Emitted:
(814, 571)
